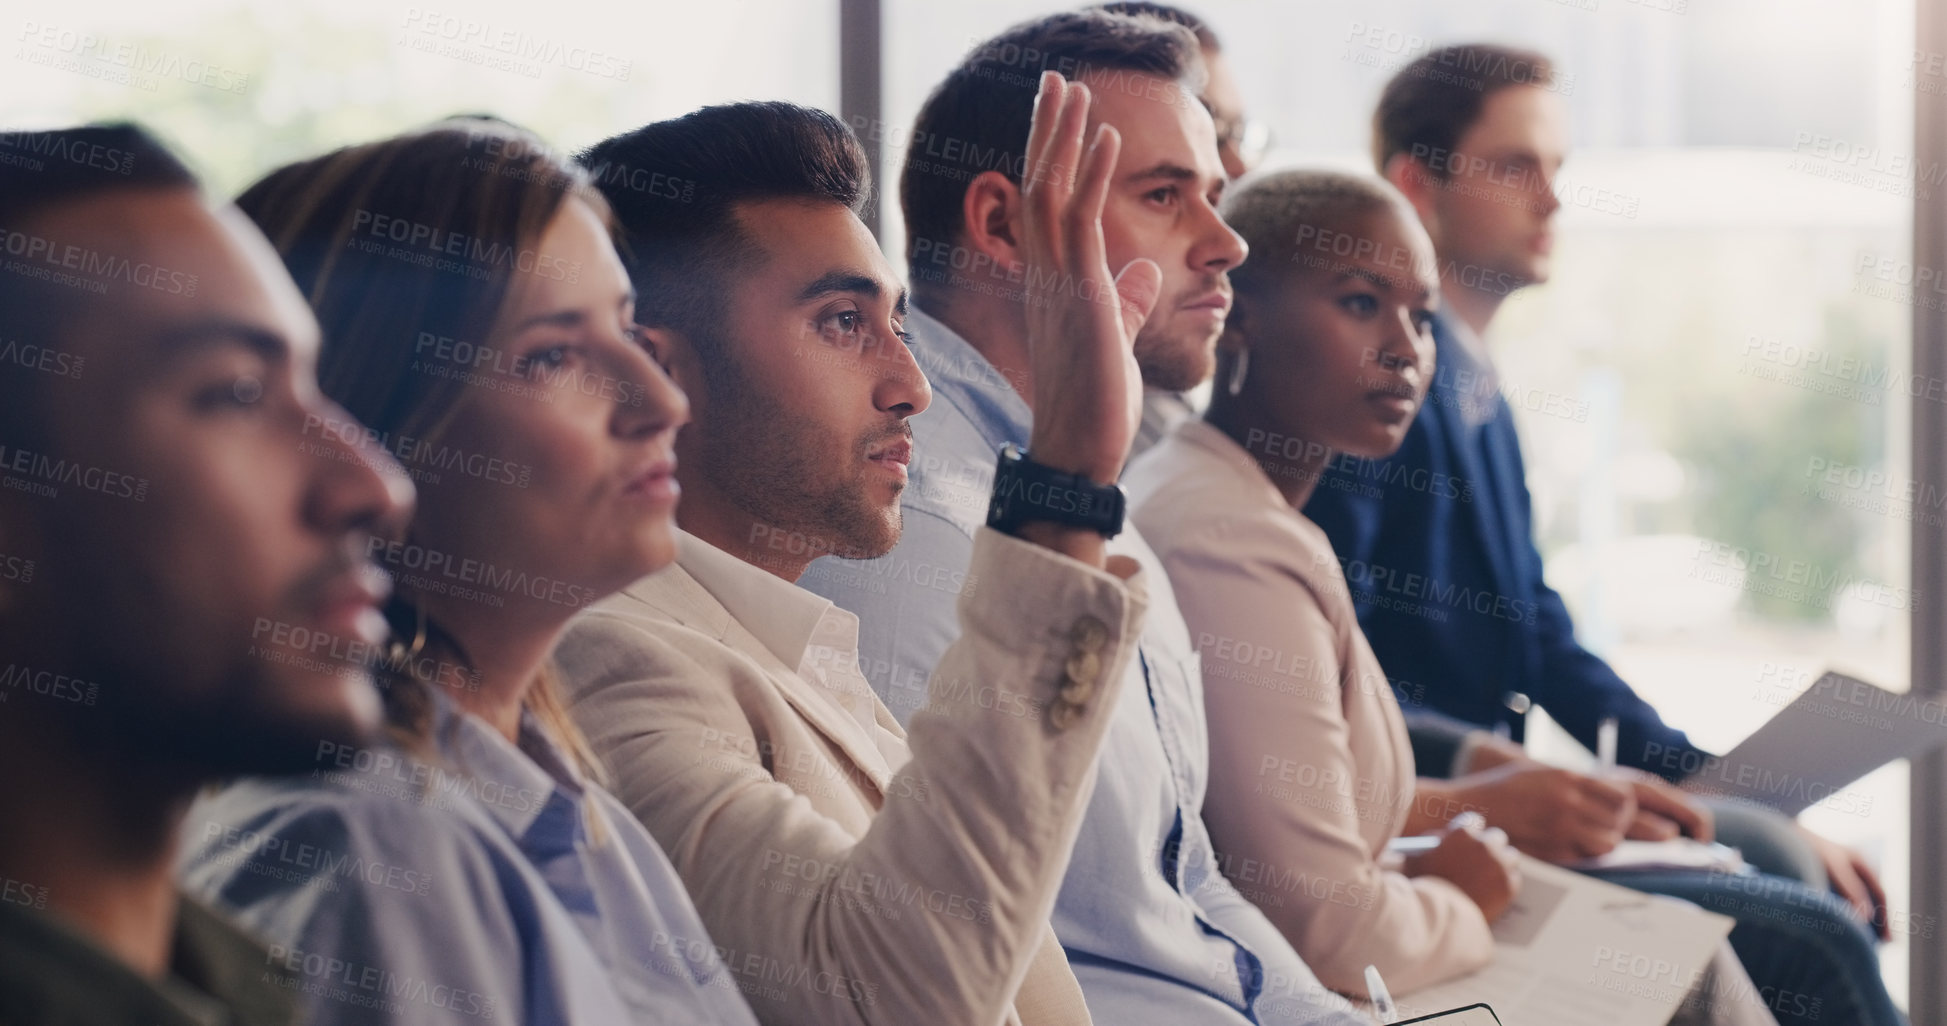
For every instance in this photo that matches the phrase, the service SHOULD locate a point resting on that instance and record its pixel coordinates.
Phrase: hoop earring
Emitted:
(1240, 366)
(399, 654)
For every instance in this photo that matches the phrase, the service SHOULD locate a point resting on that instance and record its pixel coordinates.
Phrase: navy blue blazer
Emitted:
(1438, 547)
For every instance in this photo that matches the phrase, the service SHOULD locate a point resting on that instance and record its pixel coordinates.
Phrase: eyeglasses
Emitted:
(1250, 139)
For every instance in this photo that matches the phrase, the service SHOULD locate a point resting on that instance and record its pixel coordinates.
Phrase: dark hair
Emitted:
(675, 186)
(977, 118)
(1206, 36)
(40, 171)
(1432, 102)
(392, 242)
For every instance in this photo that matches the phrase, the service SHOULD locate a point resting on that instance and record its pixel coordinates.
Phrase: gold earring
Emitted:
(399, 654)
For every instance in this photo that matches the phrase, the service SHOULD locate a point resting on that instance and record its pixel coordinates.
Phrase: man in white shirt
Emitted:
(1156, 933)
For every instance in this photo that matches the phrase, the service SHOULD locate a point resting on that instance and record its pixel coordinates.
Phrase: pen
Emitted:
(1605, 744)
(1416, 845)
(1382, 999)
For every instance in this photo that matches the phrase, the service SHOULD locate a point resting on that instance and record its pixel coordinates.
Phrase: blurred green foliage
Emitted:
(310, 84)
(1755, 485)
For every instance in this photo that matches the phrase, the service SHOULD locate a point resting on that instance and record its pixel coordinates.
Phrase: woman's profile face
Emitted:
(556, 475)
(1344, 353)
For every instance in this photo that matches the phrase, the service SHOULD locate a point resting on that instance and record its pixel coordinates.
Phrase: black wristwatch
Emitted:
(1026, 491)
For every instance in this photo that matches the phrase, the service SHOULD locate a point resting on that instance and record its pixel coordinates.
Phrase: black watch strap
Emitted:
(1029, 492)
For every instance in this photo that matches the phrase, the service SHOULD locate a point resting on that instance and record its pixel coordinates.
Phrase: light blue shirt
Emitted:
(490, 884)
(1155, 933)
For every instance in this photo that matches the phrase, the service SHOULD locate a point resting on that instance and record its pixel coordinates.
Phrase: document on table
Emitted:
(1575, 951)
(1833, 733)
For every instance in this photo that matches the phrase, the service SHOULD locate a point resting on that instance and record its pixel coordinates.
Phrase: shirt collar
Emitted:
(1465, 369)
(1466, 337)
(788, 620)
(778, 613)
(528, 786)
(966, 380)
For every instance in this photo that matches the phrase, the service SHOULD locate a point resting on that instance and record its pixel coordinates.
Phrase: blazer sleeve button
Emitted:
(1089, 634)
(1083, 670)
(1062, 715)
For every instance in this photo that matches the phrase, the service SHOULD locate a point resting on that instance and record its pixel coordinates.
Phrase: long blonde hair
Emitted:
(483, 181)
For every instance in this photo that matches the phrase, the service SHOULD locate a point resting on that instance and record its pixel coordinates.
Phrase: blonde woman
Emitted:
(472, 868)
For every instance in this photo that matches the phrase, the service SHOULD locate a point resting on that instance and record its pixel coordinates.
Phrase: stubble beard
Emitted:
(1175, 362)
(789, 475)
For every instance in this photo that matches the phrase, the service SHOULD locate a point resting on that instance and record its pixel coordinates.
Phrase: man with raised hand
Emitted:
(1155, 932)
(852, 872)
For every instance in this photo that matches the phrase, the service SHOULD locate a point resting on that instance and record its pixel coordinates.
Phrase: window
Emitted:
(245, 87)
(1712, 389)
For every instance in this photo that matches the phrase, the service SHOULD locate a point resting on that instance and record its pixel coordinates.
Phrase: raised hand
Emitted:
(1082, 321)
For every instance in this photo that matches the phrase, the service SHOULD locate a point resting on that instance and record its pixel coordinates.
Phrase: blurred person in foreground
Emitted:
(159, 508)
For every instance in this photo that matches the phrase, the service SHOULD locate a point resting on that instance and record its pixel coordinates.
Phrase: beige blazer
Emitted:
(1311, 772)
(844, 882)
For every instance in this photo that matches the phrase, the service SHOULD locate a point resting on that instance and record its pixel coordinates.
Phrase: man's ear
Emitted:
(990, 220)
(1417, 183)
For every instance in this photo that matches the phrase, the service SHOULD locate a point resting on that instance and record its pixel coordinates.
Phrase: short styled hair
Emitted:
(1206, 36)
(1283, 215)
(1433, 101)
(40, 169)
(39, 172)
(977, 118)
(675, 186)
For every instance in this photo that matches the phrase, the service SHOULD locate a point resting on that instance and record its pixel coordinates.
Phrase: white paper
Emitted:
(1576, 951)
(1833, 733)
